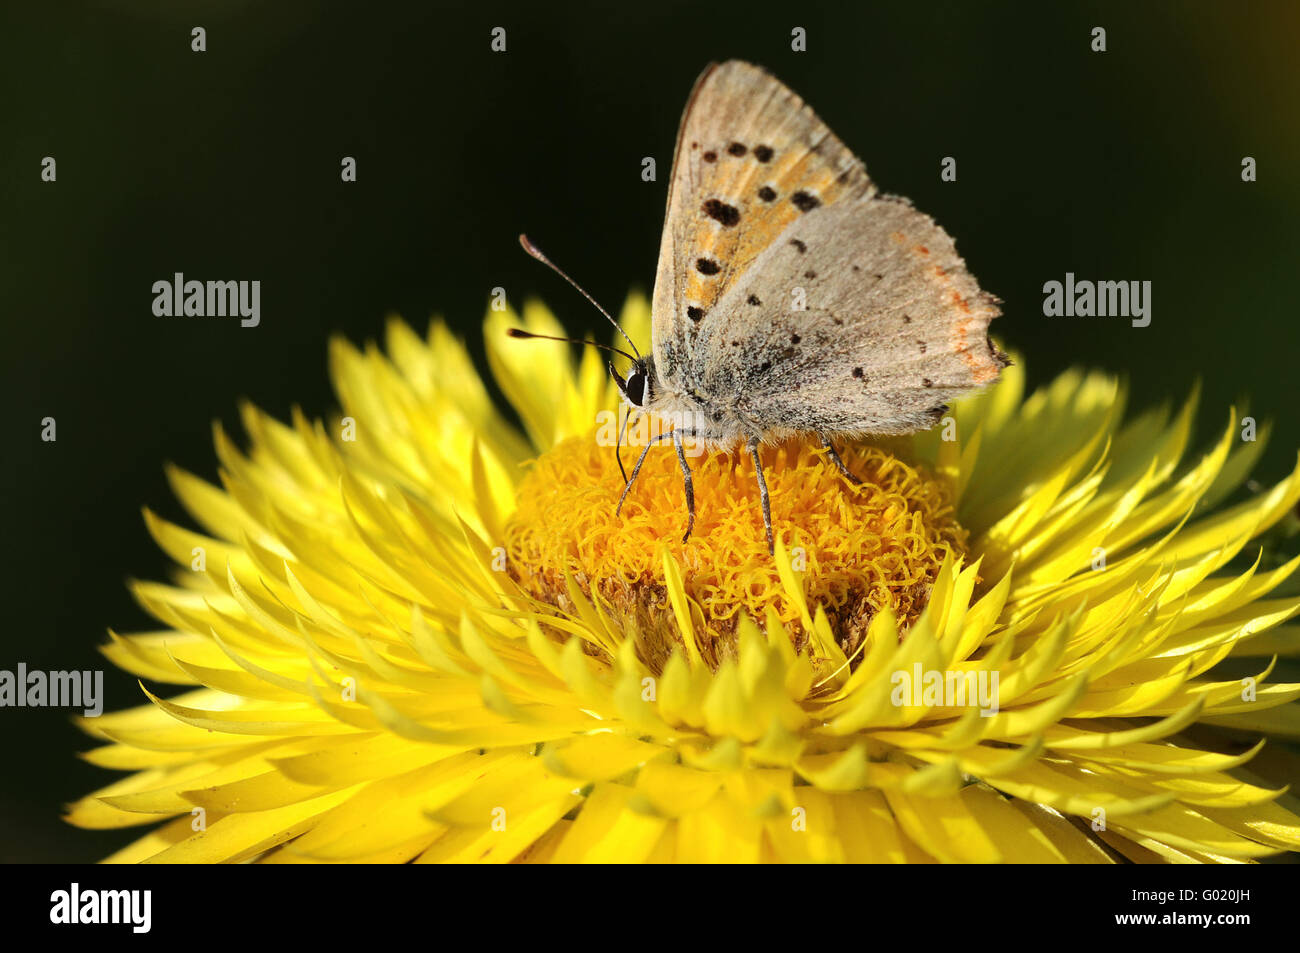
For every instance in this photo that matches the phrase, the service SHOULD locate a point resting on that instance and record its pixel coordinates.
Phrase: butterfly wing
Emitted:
(750, 155)
(860, 319)
(833, 308)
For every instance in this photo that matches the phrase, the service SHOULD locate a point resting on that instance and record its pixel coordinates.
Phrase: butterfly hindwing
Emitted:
(861, 318)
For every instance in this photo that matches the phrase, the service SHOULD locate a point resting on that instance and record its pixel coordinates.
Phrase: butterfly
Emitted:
(792, 297)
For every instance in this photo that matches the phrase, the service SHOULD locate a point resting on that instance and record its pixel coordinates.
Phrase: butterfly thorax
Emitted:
(718, 423)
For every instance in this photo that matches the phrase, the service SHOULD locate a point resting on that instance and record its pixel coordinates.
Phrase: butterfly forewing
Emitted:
(751, 159)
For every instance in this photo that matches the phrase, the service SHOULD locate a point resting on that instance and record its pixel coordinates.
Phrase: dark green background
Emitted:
(225, 165)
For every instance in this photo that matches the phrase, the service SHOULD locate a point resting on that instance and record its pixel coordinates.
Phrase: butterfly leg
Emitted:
(676, 436)
(618, 445)
(636, 470)
(839, 464)
(762, 495)
(686, 480)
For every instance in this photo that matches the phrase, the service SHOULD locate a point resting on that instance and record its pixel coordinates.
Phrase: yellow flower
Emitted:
(416, 633)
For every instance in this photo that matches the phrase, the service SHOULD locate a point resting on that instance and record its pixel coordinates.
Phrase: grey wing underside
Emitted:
(893, 326)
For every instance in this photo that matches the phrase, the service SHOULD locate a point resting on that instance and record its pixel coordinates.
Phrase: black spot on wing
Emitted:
(694, 313)
(804, 201)
(707, 266)
(736, 149)
(763, 153)
(721, 212)
(767, 194)
(799, 246)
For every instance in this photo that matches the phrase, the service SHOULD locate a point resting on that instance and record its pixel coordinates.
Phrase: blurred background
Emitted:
(225, 165)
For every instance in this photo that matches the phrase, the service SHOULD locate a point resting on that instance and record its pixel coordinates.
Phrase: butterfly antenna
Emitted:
(536, 252)
(521, 333)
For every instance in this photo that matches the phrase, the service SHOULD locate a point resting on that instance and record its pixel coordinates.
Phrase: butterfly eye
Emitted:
(635, 387)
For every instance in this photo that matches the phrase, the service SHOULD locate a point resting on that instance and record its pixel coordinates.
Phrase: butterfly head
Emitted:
(638, 387)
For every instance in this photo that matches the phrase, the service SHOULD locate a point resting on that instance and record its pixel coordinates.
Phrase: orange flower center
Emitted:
(854, 549)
